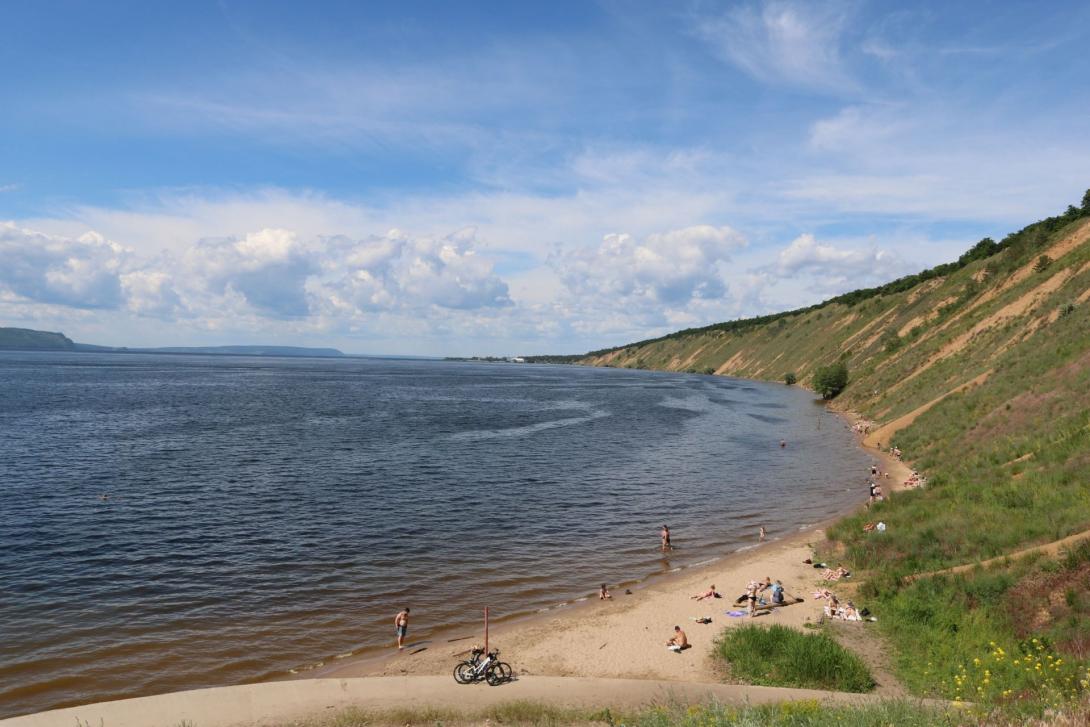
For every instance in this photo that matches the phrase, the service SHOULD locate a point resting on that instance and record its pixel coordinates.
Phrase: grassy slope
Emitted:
(986, 388)
(1014, 373)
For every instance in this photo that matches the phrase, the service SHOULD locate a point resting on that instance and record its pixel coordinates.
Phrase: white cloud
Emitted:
(666, 271)
(80, 272)
(399, 272)
(270, 273)
(859, 130)
(151, 293)
(797, 43)
(832, 269)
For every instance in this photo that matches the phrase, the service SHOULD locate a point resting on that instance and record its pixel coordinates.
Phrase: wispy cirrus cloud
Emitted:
(784, 42)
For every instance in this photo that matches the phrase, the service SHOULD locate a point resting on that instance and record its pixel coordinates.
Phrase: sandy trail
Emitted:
(1050, 550)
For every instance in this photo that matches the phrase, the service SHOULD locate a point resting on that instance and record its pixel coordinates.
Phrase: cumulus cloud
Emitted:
(396, 271)
(788, 42)
(667, 270)
(266, 274)
(835, 269)
(80, 272)
(268, 268)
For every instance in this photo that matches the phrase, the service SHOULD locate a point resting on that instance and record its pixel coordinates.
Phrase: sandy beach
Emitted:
(625, 637)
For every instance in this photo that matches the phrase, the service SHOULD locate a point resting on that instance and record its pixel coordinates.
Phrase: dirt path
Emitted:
(861, 639)
(1049, 549)
(282, 703)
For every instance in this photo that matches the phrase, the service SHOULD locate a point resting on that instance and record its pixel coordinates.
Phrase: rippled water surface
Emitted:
(267, 514)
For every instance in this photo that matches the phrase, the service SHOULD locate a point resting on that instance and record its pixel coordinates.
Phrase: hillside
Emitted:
(980, 372)
(25, 339)
(970, 365)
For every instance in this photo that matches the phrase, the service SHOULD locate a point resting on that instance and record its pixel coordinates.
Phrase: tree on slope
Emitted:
(831, 380)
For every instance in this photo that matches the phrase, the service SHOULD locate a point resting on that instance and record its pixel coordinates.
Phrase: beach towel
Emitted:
(736, 614)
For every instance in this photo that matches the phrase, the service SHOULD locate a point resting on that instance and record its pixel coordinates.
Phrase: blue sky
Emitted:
(458, 178)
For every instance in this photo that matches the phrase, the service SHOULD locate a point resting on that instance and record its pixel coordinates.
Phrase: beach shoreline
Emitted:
(624, 638)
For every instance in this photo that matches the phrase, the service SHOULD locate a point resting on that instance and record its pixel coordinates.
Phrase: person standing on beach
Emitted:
(401, 623)
(751, 593)
(665, 535)
(761, 536)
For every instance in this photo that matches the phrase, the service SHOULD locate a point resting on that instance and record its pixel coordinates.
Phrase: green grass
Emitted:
(517, 712)
(784, 714)
(800, 714)
(780, 656)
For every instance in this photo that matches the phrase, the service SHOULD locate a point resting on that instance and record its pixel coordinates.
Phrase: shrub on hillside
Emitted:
(790, 379)
(1042, 264)
(831, 380)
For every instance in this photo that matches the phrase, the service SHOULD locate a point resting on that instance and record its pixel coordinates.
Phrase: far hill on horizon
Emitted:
(27, 339)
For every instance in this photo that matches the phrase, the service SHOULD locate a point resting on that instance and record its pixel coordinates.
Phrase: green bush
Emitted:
(790, 379)
(785, 657)
(891, 341)
(831, 380)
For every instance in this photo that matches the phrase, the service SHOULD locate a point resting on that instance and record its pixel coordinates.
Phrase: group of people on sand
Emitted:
(845, 611)
(876, 494)
(915, 480)
(761, 594)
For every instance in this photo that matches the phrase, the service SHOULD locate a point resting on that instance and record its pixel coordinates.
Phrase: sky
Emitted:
(497, 178)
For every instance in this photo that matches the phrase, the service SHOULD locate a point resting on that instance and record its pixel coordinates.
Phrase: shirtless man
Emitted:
(679, 641)
(665, 535)
(401, 623)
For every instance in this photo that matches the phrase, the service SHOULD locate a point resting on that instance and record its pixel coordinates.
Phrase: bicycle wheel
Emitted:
(498, 673)
(463, 673)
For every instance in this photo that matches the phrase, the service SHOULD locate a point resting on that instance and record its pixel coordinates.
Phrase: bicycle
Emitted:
(491, 669)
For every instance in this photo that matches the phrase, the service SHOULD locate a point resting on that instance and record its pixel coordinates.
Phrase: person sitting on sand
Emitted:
(710, 593)
(777, 594)
(679, 641)
(603, 593)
